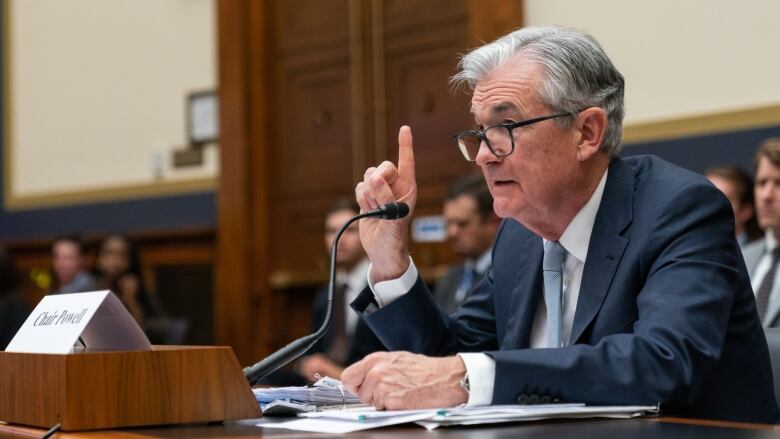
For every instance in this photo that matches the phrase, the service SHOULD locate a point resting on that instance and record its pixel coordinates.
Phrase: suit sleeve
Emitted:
(415, 323)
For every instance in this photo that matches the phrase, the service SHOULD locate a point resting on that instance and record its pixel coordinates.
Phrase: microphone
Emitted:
(389, 211)
(298, 347)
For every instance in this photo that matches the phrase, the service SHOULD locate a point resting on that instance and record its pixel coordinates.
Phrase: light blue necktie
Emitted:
(466, 282)
(552, 269)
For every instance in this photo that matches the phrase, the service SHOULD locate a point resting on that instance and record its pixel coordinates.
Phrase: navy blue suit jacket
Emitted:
(665, 314)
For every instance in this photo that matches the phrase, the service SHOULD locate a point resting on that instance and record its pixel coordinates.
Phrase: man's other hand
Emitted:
(402, 380)
(314, 364)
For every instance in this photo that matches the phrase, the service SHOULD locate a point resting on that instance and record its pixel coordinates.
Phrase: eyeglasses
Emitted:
(498, 138)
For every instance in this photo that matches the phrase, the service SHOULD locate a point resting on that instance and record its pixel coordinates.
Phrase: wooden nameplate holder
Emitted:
(101, 390)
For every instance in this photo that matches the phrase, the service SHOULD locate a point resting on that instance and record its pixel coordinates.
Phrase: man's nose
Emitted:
(484, 155)
(767, 192)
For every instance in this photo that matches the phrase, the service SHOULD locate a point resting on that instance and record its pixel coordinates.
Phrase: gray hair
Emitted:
(578, 74)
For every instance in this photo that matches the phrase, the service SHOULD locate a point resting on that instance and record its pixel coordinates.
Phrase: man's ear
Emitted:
(591, 124)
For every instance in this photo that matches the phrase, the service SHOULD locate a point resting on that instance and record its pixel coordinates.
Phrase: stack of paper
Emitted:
(510, 413)
(355, 419)
(326, 391)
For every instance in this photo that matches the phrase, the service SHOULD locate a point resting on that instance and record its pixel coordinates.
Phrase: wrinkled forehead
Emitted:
(510, 89)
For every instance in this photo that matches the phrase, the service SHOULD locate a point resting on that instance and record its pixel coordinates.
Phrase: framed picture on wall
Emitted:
(202, 117)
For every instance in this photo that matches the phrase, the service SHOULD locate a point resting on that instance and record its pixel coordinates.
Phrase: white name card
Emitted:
(99, 318)
(431, 228)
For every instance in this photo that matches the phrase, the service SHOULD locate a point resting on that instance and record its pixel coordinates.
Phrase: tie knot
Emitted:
(554, 253)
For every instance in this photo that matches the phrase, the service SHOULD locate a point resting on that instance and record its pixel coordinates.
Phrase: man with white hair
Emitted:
(614, 281)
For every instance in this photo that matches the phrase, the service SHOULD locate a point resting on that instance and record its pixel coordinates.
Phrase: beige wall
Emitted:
(97, 92)
(97, 87)
(680, 58)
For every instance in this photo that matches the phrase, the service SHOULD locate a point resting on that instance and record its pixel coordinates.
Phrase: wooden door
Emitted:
(311, 93)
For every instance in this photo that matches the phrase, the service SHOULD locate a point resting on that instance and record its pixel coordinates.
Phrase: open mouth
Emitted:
(499, 183)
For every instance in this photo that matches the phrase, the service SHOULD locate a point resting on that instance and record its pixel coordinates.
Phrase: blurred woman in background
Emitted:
(117, 268)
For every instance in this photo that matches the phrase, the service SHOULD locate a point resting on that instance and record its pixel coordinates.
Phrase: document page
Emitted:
(359, 418)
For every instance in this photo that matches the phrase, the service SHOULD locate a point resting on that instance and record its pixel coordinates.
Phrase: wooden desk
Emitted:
(647, 428)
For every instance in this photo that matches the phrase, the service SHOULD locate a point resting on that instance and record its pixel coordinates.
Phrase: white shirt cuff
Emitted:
(481, 370)
(386, 292)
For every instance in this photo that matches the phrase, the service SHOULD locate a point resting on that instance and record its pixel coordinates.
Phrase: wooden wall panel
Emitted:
(313, 157)
(314, 92)
(420, 55)
(313, 161)
(415, 15)
(258, 307)
(419, 77)
(309, 25)
(236, 302)
(313, 131)
(491, 19)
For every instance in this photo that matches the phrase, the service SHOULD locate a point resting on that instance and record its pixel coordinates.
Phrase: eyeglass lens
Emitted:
(498, 138)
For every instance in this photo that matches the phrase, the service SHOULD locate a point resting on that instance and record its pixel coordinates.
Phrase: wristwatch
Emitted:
(465, 384)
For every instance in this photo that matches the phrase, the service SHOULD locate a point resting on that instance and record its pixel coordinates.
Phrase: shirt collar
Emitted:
(771, 241)
(483, 263)
(576, 238)
(356, 278)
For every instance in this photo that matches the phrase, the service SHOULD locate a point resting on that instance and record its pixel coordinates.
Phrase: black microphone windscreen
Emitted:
(403, 210)
(394, 210)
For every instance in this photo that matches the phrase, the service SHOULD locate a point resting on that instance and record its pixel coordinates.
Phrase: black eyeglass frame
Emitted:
(509, 126)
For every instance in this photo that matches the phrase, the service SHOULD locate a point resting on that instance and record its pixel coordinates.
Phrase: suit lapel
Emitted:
(774, 306)
(606, 245)
(525, 293)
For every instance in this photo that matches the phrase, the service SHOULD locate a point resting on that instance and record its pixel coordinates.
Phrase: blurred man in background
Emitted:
(471, 228)
(737, 186)
(349, 339)
(761, 257)
(67, 254)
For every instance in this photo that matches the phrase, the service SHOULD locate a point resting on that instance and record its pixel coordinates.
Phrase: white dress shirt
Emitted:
(575, 239)
(481, 368)
(764, 264)
(483, 263)
(355, 281)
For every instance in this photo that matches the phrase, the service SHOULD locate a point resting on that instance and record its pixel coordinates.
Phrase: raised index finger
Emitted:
(405, 155)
